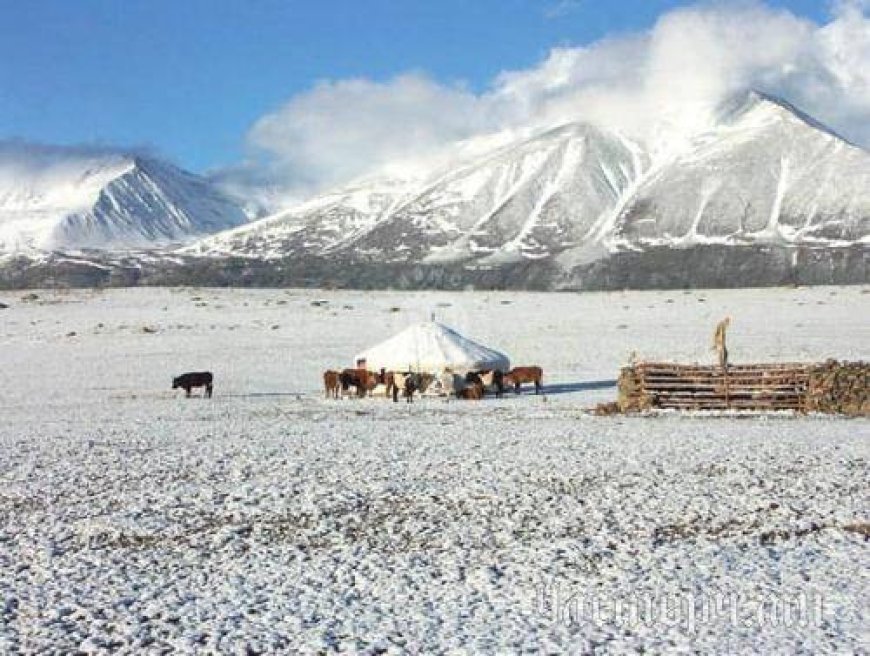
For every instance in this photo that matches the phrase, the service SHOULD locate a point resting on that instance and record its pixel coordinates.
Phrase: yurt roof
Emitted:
(431, 347)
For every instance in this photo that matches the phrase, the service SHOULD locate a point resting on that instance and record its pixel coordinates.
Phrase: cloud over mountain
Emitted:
(95, 196)
(658, 86)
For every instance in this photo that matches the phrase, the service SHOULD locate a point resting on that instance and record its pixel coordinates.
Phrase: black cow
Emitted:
(364, 381)
(407, 383)
(194, 379)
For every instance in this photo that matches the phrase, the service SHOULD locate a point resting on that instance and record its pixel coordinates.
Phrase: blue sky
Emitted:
(189, 78)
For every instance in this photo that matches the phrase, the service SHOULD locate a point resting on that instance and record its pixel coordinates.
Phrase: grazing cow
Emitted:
(351, 378)
(424, 381)
(408, 383)
(194, 379)
(347, 379)
(388, 380)
(370, 380)
(331, 383)
(489, 379)
(451, 384)
(364, 381)
(474, 392)
(519, 375)
(494, 378)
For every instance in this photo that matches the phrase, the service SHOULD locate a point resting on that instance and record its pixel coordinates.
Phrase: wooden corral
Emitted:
(828, 387)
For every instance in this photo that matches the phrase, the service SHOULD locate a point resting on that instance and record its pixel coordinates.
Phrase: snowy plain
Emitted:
(269, 519)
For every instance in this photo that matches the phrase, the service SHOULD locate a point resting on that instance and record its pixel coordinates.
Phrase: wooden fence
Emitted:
(828, 387)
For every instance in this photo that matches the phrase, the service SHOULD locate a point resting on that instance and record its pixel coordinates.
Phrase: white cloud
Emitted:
(341, 129)
(33, 155)
(562, 8)
(673, 75)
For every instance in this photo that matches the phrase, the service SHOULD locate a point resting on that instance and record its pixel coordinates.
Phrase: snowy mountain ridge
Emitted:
(760, 194)
(763, 173)
(448, 215)
(53, 200)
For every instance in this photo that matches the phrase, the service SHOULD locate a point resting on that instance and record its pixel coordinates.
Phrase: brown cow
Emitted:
(388, 380)
(364, 381)
(370, 380)
(331, 383)
(490, 379)
(424, 381)
(519, 375)
(473, 392)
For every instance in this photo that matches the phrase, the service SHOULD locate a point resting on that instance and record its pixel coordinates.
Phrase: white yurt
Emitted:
(431, 347)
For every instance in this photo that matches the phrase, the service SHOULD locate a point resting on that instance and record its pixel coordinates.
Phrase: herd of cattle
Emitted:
(472, 386)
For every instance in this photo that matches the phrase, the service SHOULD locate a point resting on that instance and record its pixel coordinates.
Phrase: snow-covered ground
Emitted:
(270, 519)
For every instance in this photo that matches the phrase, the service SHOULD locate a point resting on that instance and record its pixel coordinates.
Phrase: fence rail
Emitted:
(827, 387)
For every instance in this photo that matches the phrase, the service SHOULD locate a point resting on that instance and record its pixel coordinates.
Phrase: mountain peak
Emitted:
(55, 198)
(752, 102)
(524, 203)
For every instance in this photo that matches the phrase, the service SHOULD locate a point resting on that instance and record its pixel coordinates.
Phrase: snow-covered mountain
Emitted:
(314, 227)
(762, 174)
(53, 199)
(527, 200)
(762, 195)
(765, 174)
